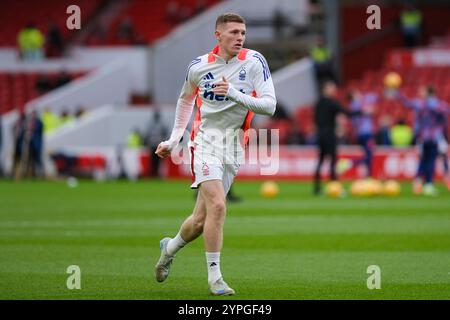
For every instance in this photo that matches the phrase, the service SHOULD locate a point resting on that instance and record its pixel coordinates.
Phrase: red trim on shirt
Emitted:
(247, 123)
(198, 117)
(243, 54)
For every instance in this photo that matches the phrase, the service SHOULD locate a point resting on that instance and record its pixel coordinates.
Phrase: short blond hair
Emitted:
(229, 17)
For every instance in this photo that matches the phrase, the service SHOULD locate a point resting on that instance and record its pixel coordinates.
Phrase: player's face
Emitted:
(422, 92)
(231, 36)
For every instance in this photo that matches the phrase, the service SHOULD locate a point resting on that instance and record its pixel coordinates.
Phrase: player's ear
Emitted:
(217, 34)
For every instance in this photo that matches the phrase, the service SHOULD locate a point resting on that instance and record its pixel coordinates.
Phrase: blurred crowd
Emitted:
(387, 132)
(411, 26)
(35, 45)
(28, 134)
(45, 84)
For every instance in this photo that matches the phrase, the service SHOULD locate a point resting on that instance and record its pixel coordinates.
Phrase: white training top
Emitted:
(250, 90)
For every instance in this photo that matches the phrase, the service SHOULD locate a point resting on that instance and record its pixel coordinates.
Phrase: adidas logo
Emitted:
(209, 76)
(213, 264)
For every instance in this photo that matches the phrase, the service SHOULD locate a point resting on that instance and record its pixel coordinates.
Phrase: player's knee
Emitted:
(218, 207)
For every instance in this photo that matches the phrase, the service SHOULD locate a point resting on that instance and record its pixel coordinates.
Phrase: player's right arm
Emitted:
(185, 105)
(408, 103)
(350, 113)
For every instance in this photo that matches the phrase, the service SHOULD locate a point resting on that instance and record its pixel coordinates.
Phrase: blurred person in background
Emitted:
(383, 135)
(63, 79)
(429, 128)
(126, 31)
(43, 84)
(80, 112)
(443, 145)
(411, 25)
(31, 43)
(54, 40)
(322, 60)
(36, 128)
(65, 118)
(50, 120)
(401, 134)
(19, 130)
(325, 113)
(364, 126)
(156, 133)
(134, 139)
(278, 23)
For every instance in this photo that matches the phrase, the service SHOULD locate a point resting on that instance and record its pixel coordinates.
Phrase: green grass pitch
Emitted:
(293, 247)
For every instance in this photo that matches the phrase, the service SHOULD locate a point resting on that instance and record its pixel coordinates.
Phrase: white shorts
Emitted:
(207, 166)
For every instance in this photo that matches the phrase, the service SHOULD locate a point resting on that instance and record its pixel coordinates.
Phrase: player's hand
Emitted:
(163, 150)
(221, 88)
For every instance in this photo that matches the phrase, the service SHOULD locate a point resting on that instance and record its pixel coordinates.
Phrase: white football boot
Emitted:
(220, 288)
(162, 268)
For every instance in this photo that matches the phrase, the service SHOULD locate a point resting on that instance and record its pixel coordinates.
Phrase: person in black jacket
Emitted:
(325, 112)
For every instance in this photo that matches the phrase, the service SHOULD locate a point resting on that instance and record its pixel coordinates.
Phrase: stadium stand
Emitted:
(16, 14)
(413, 77)
(16, 89)
(144, 21)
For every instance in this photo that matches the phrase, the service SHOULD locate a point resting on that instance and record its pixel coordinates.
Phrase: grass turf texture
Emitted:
(293, 247)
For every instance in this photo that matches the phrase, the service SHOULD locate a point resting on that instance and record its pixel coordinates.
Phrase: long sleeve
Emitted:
(410, 104)
(265, 101)
(350, 113)
(183, 112)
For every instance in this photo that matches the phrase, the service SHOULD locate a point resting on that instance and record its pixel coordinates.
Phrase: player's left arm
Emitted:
(265, 101)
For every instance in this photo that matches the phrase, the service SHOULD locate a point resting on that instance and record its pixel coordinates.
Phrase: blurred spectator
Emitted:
(401, 134)
(19, 137)
(31, 43)
(63, 78)
(383, 134)
(364, 126)
(65, 118)
(278, 21)
(156, 133)
(325, 115)
(322, 59)
(43, 84)
(35, 126)
(55, 44)
(126, 31)
(134, 140)
(80, 112)
(50, 121)
(411, 23)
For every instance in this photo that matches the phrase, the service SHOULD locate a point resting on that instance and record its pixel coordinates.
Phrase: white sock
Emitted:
(213, 264)
(174, 245)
